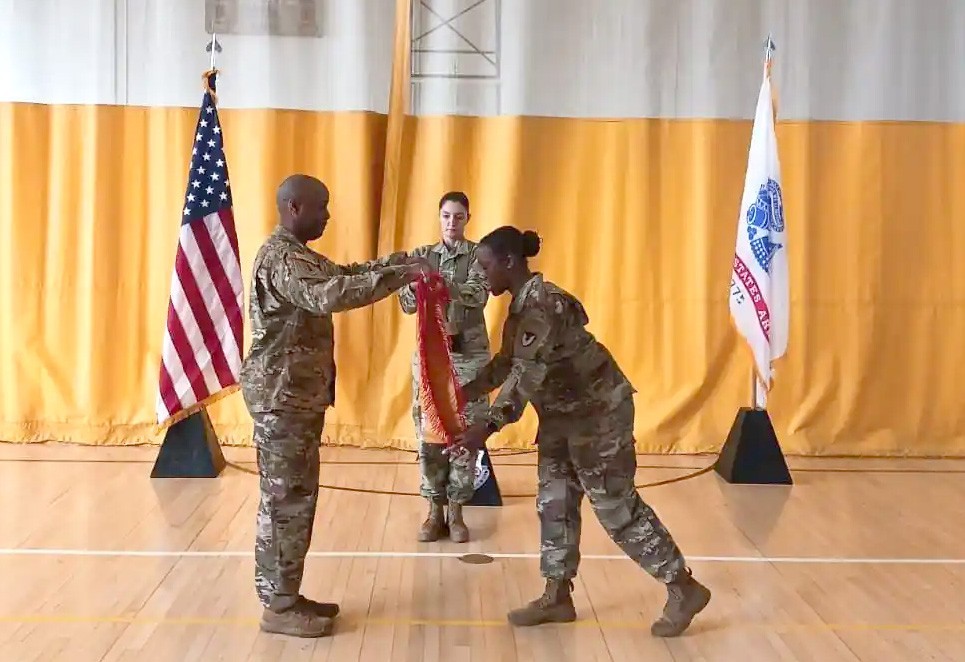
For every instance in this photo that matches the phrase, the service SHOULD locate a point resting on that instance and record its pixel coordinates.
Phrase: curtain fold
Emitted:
(637, 212)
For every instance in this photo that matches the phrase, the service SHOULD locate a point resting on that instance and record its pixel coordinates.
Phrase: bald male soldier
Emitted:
(288, 382)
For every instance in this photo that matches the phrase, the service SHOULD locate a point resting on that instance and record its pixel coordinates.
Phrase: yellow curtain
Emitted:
(638, 219)
(90, 199)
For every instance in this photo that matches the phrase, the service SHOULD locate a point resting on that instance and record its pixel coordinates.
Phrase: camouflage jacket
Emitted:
(548, 358)
(469, 292)
(294, 291)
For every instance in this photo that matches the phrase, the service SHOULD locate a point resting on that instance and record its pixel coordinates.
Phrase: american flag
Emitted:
(201, 354)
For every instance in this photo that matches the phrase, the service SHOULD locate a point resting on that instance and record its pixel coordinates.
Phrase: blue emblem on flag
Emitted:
(764, 216)
(481, 472)
(485, 487)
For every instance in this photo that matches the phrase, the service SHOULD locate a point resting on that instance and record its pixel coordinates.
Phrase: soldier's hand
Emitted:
(474, 438)
(420, 262)
(416, 268)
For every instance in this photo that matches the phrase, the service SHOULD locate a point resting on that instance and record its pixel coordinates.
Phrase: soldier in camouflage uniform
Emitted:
(445, 479)
(585, 438)
(288, 382)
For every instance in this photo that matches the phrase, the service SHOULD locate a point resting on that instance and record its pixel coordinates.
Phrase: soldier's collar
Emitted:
(535, 281)
(284, 233)
(461, 248)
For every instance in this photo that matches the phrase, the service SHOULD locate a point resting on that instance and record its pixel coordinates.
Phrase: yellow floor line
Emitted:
(711, 625)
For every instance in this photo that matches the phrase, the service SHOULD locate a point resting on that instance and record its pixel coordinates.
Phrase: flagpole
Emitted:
(751, 453)
(758, 388)
(190, 448)
(214, 48)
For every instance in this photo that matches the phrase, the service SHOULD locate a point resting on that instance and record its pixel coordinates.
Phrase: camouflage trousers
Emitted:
(595, 456)
(444, 478)
(288, 467)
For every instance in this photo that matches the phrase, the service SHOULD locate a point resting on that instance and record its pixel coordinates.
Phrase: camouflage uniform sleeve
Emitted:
(527, 367)
(393, 260)
(407, 294)
(488, 378)
(321, 290)
(475, 291)
(407, 299)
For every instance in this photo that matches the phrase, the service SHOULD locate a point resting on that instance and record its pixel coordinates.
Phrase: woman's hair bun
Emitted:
(531, 244)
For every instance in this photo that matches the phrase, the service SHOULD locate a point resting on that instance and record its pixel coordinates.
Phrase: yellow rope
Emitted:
(205, 79)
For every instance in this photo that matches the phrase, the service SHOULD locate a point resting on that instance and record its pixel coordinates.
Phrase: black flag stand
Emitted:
(487, 489)
(190, 450)
(752, 454)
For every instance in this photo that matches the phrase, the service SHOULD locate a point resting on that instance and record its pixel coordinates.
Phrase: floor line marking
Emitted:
(66, 619)
(455, 555)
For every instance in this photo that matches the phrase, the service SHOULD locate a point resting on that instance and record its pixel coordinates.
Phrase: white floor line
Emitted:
(451, 555)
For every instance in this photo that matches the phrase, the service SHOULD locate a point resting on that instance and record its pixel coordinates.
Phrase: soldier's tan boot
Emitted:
(434, 527)
(458, 531)
(326, 609)
(554, 606)
(686, 597)
(296, 622)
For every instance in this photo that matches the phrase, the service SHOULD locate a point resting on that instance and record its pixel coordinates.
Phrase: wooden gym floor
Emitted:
(860, 560)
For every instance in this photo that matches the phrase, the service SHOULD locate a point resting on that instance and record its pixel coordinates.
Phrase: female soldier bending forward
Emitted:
(585, 440)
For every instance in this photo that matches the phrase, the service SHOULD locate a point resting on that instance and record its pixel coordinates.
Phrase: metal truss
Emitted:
(455, 41)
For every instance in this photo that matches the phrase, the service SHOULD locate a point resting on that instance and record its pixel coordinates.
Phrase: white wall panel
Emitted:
(57, 51)
(347, 68)
(836, 59)
(151, 52)
(876, 59)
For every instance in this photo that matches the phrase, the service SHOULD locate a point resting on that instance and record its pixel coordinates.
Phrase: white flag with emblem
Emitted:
(759, 282)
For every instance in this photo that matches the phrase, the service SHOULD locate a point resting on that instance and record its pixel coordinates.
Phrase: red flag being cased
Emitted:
(440, 396)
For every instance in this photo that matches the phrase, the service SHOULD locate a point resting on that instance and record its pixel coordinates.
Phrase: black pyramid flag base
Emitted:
(487, 493)
(752, 455)
(190, 450)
